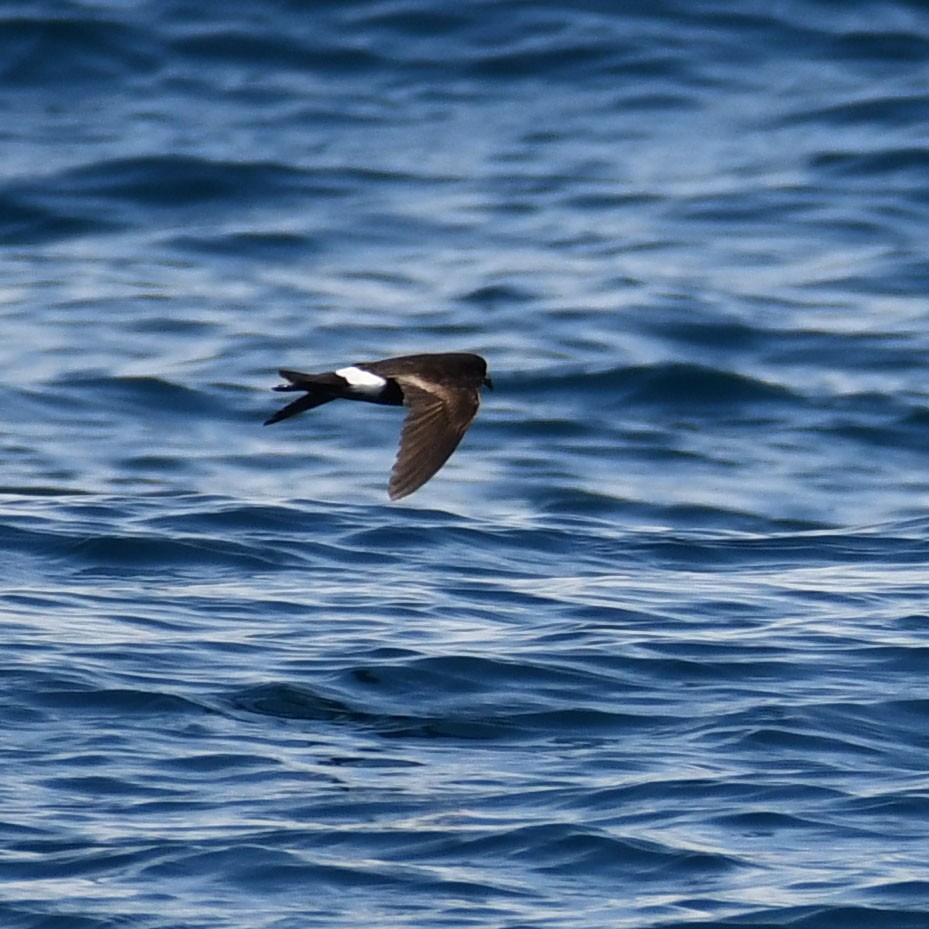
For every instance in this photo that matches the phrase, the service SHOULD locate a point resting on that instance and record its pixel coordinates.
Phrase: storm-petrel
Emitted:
(441, 391)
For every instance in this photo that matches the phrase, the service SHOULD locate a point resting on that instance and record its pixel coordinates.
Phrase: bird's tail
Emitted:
(316, 395)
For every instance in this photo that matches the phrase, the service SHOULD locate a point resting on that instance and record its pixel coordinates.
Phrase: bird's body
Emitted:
(441, 392)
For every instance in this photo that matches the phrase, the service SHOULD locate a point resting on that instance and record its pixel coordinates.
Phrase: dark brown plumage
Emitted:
(441, 391)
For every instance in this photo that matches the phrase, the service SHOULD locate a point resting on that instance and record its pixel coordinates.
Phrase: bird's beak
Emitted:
(488, 383)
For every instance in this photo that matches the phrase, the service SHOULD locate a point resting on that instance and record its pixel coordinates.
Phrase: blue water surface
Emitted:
(650, 651)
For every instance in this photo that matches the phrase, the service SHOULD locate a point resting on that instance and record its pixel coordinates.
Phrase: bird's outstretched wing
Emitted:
(438, 417)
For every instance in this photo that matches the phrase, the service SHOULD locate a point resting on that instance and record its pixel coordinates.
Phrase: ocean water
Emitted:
(650, 651)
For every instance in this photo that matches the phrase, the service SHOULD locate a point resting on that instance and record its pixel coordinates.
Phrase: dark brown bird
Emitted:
(442, 393)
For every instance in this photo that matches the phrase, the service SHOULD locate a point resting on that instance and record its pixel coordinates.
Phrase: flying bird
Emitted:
(441, 392)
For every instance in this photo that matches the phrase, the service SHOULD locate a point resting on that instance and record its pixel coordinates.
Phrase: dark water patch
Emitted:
(891, 727)
(855, 917)
(107, 195)
(670, 385)
(243, 47)
(385, 703)
(881, 46)
(695, 385)
(542, 59)
(763, 822)
(712, 519)
(743, 209)
(818, 546)
(916, 891)
(301, 50)
(480, 542)
(602, 506)
(256, 865)
(905, 161)
(103, 545)
(80, 862)
(225, 765)
(414, 19)
(804, 743)
(891, 808)
(124, 555)
(17, 493)
(286, 701)
(201, 514)
(799, 917)
(462, 682)
(891, 110)
(302, 704)
(567, 849)
(68, 50)
(726, 663)
(159, 464)
(25, 223)
(170, 325)
(116, 702)
(685, 794)
(608, 199)
(501, 294)
(153, 392)
(918, 417)
(712, 333)
(35, 916)
(794, 735)
(176, 181)
(257, 246)
(899, 434)
(18, 539)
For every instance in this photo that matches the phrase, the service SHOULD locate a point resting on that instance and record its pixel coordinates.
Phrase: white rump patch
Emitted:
(361, 381)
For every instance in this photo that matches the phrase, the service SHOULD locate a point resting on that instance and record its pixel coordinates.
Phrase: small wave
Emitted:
(26, 223)
(63, 50)
(169, 180)
(149, 393)
(668, 384)
(870, 164)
